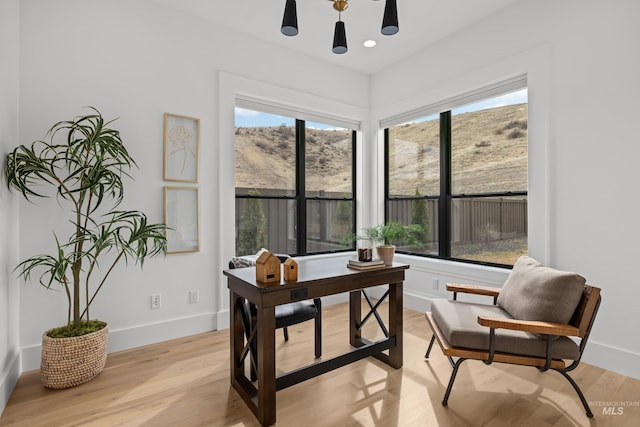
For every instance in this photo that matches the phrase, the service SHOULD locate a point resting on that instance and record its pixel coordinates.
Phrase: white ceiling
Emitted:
(422, 22)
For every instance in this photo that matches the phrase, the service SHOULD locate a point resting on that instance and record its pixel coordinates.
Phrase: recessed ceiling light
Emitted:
(369, 43)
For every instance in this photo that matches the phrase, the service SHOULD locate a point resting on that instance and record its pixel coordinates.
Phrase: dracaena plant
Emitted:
(82, 162)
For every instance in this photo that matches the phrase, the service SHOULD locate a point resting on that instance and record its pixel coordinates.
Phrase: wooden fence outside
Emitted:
(473, 220)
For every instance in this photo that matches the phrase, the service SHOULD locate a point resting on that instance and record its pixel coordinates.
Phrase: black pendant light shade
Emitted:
(339, 38)
(390, 18)
(389, 22)
(290, 19)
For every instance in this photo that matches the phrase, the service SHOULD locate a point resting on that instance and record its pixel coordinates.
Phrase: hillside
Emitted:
(265, 157)
(489, 154)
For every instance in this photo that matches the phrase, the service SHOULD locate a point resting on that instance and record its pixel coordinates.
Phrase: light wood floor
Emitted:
(185, 382)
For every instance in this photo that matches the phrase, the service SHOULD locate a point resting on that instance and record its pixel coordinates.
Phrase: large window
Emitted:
(462, 175)
(294, 184)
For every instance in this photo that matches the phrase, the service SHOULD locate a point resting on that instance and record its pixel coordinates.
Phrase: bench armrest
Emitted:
(473, 289)
(536, 327)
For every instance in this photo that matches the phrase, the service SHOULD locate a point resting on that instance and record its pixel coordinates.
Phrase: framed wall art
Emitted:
(181, 147)
(181, 216)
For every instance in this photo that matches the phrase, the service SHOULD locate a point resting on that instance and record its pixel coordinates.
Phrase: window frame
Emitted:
(446, 197)
(300, 197)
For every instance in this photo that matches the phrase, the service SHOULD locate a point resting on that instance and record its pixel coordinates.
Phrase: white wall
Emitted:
(137, 60)
(9, 290)
(583, 67)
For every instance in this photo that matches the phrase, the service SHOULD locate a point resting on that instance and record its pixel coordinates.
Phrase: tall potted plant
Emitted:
(386, 236)
(82, 162)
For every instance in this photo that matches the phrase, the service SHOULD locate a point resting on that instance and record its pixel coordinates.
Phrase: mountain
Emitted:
(489, 154)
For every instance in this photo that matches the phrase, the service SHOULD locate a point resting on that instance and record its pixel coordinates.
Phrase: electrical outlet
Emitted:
(156, 301)
(193, 297)
(435, 283)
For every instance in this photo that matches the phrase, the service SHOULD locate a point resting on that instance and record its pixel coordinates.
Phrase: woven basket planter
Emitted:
(68, 362)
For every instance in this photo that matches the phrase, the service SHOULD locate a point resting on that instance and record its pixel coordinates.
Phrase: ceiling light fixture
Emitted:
(290, 19)
(390, 18)
(340, 34)
(389, 22)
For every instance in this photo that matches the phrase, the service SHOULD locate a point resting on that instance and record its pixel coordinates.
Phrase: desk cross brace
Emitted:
(250, 346)
(374, 310)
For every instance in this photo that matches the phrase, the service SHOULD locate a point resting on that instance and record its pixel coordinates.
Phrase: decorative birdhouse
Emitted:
(290, 270)
(268, 268)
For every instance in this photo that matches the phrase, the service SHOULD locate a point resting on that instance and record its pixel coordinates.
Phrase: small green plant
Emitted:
(252, 235)
(516, 124)
(82, 163)
(515, 133)
(394, 233)
(420, 216)
(342, 218)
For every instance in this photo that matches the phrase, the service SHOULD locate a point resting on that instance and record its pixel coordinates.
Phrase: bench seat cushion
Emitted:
(458, 322)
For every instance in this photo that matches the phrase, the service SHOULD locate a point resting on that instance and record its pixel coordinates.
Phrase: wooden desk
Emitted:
(316, 278)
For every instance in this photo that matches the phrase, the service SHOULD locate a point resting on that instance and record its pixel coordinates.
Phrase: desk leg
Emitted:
(266, 366)
(395, 323)
(236, 337)
(355, 317)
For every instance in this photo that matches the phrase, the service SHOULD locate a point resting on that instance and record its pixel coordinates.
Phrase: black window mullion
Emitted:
(386, 175)
(301, 200)
(354, 156)
(444, 202)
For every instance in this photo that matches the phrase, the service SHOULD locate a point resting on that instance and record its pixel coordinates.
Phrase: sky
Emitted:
(250, 118)
(517, 97)
(512, 98)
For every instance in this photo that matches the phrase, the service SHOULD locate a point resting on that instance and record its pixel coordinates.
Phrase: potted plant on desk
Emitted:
(82, 163)
(386, 236)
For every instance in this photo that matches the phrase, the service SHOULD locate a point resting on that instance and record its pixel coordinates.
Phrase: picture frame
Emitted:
(181, 148)
(181, 206)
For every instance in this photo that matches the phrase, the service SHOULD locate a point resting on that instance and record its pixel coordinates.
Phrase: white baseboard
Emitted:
(416, 301)
(612, 359)
(9, 380)
(604, 356)
(136, 336)
(223, 320)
